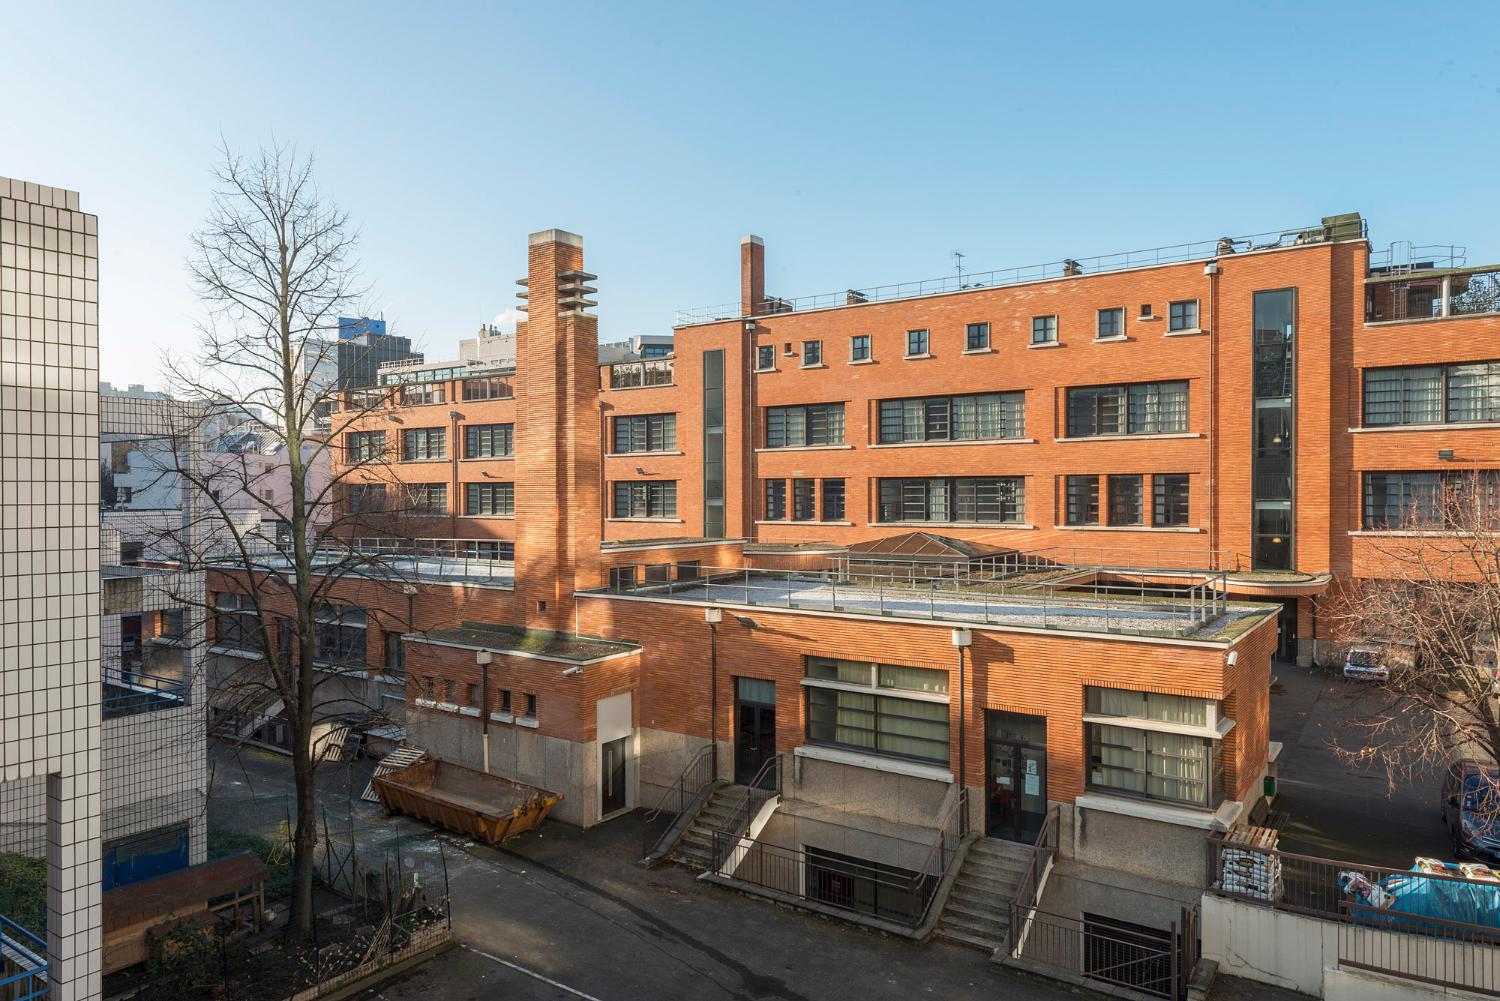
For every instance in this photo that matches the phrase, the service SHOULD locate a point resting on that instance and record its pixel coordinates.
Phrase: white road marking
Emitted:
(532, 973)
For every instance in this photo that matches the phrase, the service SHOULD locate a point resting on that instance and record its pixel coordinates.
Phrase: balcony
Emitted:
(1403, 296)
(131, 693)
(639, 374)
(23, 963)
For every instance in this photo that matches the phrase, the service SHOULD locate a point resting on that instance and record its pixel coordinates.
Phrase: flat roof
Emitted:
(531, 642)
(1203, 613)
(451, 569)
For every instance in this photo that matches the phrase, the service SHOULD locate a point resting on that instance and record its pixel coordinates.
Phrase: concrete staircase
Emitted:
(695, 848)
(978, 909)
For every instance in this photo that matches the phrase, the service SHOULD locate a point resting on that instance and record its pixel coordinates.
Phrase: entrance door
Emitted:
(1015, 775)
(612, 776)
(1286, 631)
(754, 726)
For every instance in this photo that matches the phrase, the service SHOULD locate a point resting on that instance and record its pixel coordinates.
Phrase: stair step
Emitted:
(968, 912)
(988, 848)
(966, 938)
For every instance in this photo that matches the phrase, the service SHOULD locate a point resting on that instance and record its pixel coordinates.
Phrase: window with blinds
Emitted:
(856, 705)
(988, 499)
(979, 417)
(1136, 408)
(1432, 394)
(813, 424)
(646, 433)
(495, 500)
(489, 441)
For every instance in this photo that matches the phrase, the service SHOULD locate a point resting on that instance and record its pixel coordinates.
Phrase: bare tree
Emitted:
(1432, 614)
(274, 265)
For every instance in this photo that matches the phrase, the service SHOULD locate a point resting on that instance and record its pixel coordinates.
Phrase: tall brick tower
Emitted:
(558, 462)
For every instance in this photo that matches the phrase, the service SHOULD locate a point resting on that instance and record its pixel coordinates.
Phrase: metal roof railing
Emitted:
(1103, 264)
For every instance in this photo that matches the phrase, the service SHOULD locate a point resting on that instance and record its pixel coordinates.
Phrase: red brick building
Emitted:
(993, 534)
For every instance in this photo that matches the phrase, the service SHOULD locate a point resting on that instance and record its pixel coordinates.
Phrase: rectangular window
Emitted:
(1169, 501)
(646, 433)
(395, 652)
(530, 706)
(1111, 323)
(423, 444)
(621, 578)
(340, 634)
(236, 623)
(863, 886)
(493, 388)
(1082, 501)
(1044, 330)
(1136, 408)
(776, 500)
(981, 417)
(423, 393)
(646, 500)
(765, 358)
(1125, 499)
(814, 424)
(428, 498)
(689, 570)
(841, 715)
(1182, 768)
(859, 347)
(916, 343)
(977, 337)
(490, 499)
(489, 441)
(366, 497)
(1431, 394)
(505, 701)
(713, 444)
(804, 500)
(833, 500)
(812, 353)
(1401, 500)
(1183, 315)
(999, 500)
(364, 446)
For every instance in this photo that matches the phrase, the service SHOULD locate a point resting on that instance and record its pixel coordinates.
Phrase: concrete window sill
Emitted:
(1180, 529)
(1046, 344)
(1111, 340)
(788, 521)
(818, 365)
(634, 455)
(487, 458)
(1185, 332)
(1166, 436)
(978, 351)
(658, 521)
(921, 357)
(954, 444)
(807, 448)
(861, 361)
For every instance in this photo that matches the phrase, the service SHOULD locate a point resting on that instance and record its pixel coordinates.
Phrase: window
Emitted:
(775, 500)
(1146, 313)
(689, 570)
(1401, 500)
(505, 701)
(1149, 762)
(637, 374)
(1125, 499)
(428, 498)
(804, 500)
(866, 887)
(658, 573)
(364, 446)
(423, 393)
(916, 343)
(815, 424)
(765, 358)
(1044, 329)
(833, 500)
(646, 433)
(364, 498)
(839, 714)
(1432, 394)
(1082, 501)
(340, 634)
(953, 418)
(859, 347)
(713, 444)
(395, 652)
(471, 695)
(977, 337)
(1137, 408)
(1111, 323)
(1169, 502)
(656, 350)
(489, 441)
(646, 500)
(621, 578)
(422, 444)
(236, 623)
(490, 499)
(993, 500)
(493, 388)
(1183, 315)
(812, 353)
(530, 706)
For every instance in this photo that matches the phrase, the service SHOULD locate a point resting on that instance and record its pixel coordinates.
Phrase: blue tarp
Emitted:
(1418, 895)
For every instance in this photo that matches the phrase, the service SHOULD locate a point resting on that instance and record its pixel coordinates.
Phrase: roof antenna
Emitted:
(958, 265)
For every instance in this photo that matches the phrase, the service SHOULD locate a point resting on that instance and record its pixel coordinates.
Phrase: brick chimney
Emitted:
(558, 462)
(752, 276)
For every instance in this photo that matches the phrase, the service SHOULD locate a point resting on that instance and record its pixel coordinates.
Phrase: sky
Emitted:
(865, 143)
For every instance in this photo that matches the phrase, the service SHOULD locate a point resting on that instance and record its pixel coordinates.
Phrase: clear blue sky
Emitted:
(865, 143)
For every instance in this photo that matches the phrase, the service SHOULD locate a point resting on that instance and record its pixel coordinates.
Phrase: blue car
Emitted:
(1471, 810)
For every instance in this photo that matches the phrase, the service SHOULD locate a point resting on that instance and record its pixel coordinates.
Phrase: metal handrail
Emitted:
(740, 819)
(1151, 257)
(679, 786)
(936, 863)
(1027, 896)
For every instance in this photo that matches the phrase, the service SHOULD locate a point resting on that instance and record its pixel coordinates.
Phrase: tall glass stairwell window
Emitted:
(1273, 475)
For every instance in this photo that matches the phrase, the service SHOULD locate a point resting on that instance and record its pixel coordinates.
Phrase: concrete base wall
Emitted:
(1149, 848)
(853, 789)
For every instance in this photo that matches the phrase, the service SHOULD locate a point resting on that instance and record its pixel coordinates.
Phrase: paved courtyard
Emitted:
(573, 907)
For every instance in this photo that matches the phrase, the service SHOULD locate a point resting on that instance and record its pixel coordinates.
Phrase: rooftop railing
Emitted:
(1419, 296)
(130, 693)
(987, 594)
(1152, 257)
(23, 963)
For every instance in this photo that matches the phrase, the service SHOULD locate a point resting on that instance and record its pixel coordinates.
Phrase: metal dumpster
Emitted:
(485, 807)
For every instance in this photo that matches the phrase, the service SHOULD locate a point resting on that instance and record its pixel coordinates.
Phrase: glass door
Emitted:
(1015, 775)
(754, 726)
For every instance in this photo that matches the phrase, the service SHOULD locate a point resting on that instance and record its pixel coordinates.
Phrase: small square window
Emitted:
(530, 706)
(1111, 323)
(859, 347)
(812, 353)
(1044, 329)
(977, 337)
(1183, 315)
(765, 358)
(916, 343)
(1146, 313)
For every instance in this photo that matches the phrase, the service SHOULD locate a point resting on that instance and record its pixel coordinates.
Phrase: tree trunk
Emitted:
(304, 838)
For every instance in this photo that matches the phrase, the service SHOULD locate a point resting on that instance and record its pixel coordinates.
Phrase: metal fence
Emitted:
(23, 963)
(688, 788)
(1446, 953)
(1133, 962)
(958, 282)
(129, 693)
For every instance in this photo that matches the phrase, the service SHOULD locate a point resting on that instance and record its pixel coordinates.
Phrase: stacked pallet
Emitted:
(1249, 864)
(398, 759)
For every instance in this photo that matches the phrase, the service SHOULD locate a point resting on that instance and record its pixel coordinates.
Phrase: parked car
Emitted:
(1471, 809)
(1366, 663)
